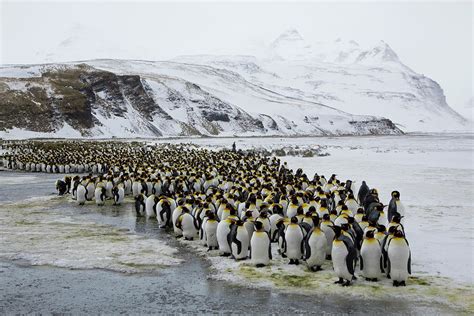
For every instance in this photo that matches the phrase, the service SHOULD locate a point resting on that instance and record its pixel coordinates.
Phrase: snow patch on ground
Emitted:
(31, 230)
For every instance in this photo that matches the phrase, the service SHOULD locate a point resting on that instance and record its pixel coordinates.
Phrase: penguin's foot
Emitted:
(190, 238)
(374, 280)
(354, 277)
(297, 262)
(260, 265)
(347, 283)
(368, 279)
(340, 281)
(388, 276)
(225, 254)
(283, 255)
(396, 284)
(402, 283)
(328, 257)
(292, 261)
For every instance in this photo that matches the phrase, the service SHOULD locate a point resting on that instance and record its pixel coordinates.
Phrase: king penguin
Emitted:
(315, 247)
(399, 259)
(260, 247)
(371, 257)
(239, 241)
(344, 256)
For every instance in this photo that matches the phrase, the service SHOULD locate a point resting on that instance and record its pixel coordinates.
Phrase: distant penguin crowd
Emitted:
(241, 204)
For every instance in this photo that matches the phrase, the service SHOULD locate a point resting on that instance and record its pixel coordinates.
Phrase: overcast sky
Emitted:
(433, 38)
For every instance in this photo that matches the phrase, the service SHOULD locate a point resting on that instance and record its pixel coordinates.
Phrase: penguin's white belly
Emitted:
(149, 203)
(318, 245)
(211, 234)
(174, 218)
(371, 253)
(108, 189)
(136, 187)
(339, 254)
(259, 245)
(222, 232)
(187, 224)
(81, 194)
(98, 196)
(329, 233)
(293, 237)
(291, 211)
(398, 254)
(90, 191)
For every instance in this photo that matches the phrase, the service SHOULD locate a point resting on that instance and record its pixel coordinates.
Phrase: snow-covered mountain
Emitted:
(338, 88)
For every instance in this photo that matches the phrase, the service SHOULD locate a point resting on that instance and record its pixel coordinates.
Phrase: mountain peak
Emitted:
(289, 35)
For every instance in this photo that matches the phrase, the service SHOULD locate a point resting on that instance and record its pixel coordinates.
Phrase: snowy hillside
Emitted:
(296, 88)
(142, 99)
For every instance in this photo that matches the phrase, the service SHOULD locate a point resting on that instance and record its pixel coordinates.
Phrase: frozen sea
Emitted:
(57, 257)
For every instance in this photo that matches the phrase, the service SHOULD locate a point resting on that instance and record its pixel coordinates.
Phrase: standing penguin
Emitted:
(223, 236)
(395, 207)
(399, 259)
(140, 204)
(150, 206)
(90, 186)
(240, 241)
(99, 195)
(329, 233)
(371, 257)
(315, 247)
(344, 256)
(363, 191)
(211, 231)
(119, 194)
(260, 247)
(163, 212)
(61, 187)
(294, 238)
(188, 224)
(81, 193)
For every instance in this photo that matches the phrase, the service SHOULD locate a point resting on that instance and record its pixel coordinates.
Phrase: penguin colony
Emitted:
(239, 203)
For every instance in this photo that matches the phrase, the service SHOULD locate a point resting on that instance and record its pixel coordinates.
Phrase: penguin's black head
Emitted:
(351, 220)
(381, 228)
(397, 218)
(369, 234)
(326, 217)
(398, 234)
(392, 230)
(360, 210)
(259, 225)
(345, 227)
(396, 194)
(294, 220)
(239, 223)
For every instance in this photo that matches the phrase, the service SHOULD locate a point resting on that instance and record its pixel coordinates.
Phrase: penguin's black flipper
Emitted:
(270, 251)
(388, 266)
(351, 256)
(250, 252)
(307, 254)
(238, 243)
(229, 236)
(361, 263)
(196, 223)
(381, 264)
(409, 263)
